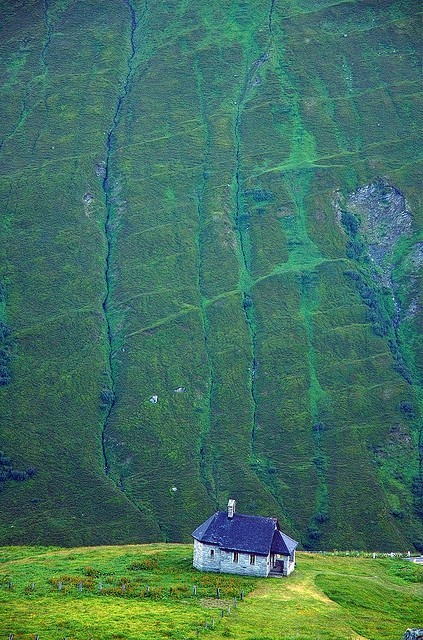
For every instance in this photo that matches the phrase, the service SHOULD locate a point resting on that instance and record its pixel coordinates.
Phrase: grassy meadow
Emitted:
(176, 183)
(147, 593)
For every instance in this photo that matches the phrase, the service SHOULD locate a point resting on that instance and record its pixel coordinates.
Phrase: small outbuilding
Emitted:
(230, 542)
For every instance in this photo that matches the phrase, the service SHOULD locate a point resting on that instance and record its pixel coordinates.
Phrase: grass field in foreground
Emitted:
(146, 592)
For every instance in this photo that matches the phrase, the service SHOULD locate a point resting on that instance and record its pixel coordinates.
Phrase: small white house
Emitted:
(230, 542)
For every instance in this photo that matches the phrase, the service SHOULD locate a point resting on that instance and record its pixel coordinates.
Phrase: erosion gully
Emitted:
(206, 476)
(107, 186)
(48, 26)
(246, 281)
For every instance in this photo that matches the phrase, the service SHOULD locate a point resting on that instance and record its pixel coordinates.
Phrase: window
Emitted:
(252, 558)
(235, 557)
(212, 553)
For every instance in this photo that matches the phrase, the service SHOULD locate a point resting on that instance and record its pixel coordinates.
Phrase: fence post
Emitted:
(194, 590)
(234, 603)
(217, 593)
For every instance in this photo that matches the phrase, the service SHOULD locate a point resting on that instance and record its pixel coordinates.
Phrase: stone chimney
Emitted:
(231, 508)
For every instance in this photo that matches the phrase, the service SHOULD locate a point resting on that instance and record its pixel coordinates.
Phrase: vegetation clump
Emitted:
(7, 472)
(259, 195)
(399, 362)
(407, 409)
(146, 564)
(5, 354)
(376, 313)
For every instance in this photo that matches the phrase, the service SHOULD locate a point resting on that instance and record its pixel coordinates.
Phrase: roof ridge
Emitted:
(247, 515)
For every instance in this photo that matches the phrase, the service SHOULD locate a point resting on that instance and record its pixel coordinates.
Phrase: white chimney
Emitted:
(231, 508)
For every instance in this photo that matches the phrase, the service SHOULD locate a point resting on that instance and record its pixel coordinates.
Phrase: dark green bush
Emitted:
(4, 331)
(418, 544)
(259, 195)
(321, 516)
(407, 409)
(354, 249)
(313, 533)
(248, 301)
(4, 460)
(417, 486)
(350, 223)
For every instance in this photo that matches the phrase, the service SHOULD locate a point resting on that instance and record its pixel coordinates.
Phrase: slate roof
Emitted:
(248, 534)
(282, 543)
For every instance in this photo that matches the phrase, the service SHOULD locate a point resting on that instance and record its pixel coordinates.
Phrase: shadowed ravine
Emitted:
(107, 185)
(48, 28)
(205, 471)
(245, 276)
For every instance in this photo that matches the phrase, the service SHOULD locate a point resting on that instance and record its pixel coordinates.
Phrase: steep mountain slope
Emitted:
(210, 269)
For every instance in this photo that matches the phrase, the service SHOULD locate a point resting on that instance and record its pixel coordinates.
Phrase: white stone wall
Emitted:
(222, 561)
(203, 559)
(243, 567)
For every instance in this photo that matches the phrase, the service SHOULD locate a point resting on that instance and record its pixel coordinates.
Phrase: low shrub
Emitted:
(146, 564)
(90, 571)
(179, 591)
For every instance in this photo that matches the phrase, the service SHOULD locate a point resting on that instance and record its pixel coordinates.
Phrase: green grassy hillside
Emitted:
(151, 592)
(216, 204)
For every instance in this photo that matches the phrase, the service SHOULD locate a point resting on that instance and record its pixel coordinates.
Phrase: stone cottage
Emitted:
(230, 542)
